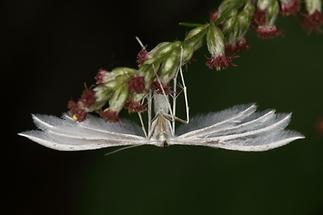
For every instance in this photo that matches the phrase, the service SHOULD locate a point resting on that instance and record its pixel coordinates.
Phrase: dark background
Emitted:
(51, 48)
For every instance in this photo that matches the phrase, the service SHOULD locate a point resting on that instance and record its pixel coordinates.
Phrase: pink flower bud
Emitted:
(313, 22)
(100, 76)
(109, 115)
(259, 18)
(88, 98)
(160, 87)
(219, 62)
(77, 111)
(289, 7)
(216, 47)
(238, 46)
(134, 106)
(268, 32)
(142, 56)
(243, 44)
(136, 84)
(214, 15)
(231, 48)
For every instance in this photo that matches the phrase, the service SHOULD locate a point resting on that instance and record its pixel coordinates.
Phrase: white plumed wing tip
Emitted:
(70, 144)
(42, 139)
(240, 128)
(64, 134)
(290, 136)
(41, 124)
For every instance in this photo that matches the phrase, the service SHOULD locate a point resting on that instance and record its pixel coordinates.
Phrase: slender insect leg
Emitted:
(149, 113)
(176, 118)
(174, 102)
(149, 102)
(153, 127)
(142, 124)
(185, 96)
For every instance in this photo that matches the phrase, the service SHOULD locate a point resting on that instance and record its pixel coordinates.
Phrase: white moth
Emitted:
(238, 128)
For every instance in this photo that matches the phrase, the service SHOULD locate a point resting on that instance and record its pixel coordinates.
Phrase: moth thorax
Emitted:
(161, 103)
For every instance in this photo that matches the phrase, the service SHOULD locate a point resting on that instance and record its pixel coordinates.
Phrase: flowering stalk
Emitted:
(290, 7)
(224, 35)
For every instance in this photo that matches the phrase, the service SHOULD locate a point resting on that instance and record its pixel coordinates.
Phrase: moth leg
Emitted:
(170, 117)
(148, 99)
(142, 125)
(184, 89)
(149, 111)
(185, 95)
(151, 131)
(174, 101)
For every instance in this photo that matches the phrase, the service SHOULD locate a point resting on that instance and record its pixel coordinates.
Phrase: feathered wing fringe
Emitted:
(239, 128)
(64, 134)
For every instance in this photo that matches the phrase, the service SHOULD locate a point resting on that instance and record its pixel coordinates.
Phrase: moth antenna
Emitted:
(140, 43)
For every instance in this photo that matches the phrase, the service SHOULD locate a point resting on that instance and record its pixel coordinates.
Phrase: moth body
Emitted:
(161, 126)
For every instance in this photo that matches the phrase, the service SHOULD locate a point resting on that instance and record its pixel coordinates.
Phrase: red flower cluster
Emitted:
(88, 98)
(243, 44)
(219, 62)
(214, 15)
(259, 18)
(290, 8)
(240, 45)
(268, 32)
(100, 76)
(159, 89)
(109, 115)
(313, 22)
(134, 107)
(264, 30)
(136, 84)
(142, 56)
(78, 109)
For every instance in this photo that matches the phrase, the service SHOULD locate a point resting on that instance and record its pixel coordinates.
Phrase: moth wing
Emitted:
(259, 131)
(254, 144)
(216, 121)
(64, 134)
(260, 142)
